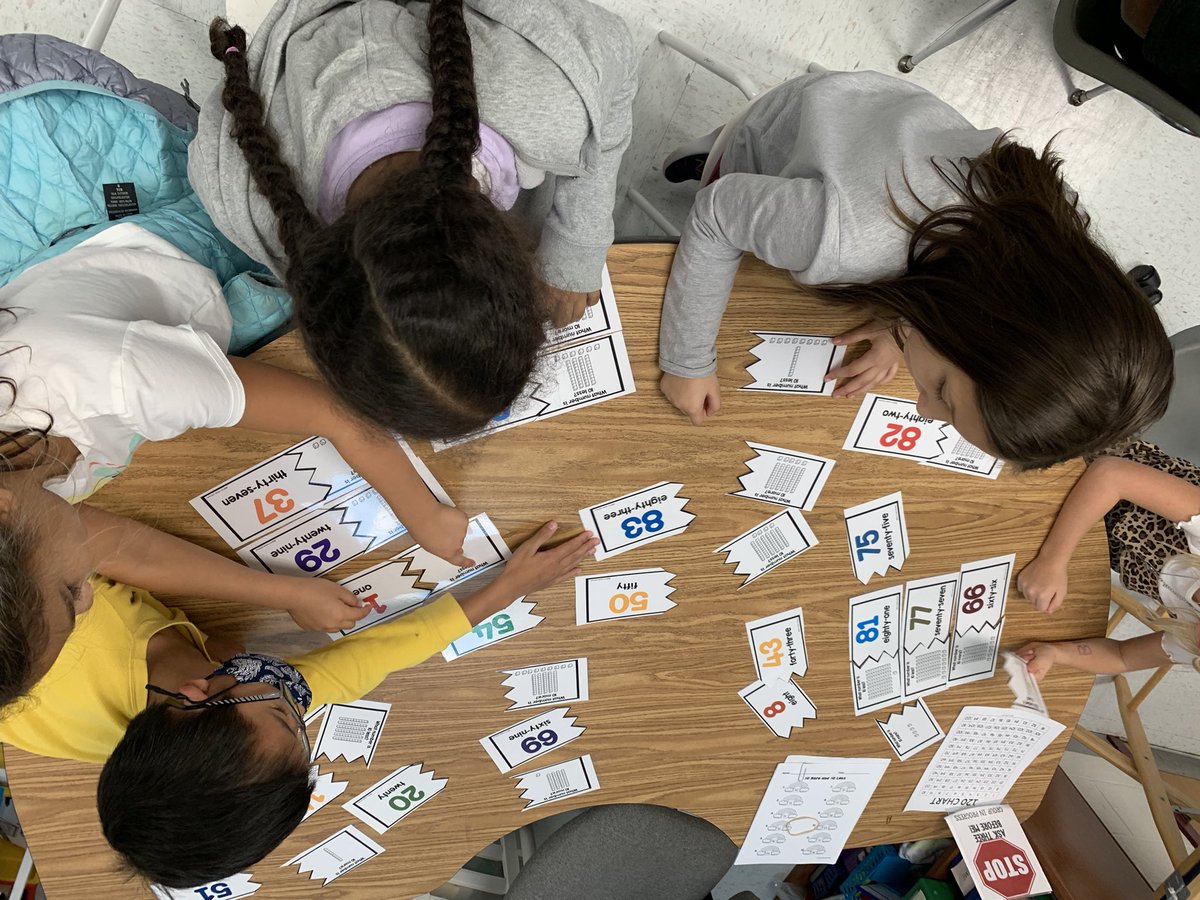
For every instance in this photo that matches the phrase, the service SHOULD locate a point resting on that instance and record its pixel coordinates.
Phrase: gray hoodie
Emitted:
(804, 187)
(555, 78)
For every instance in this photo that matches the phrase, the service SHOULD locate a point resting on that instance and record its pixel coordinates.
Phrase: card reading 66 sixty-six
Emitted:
(641, 517)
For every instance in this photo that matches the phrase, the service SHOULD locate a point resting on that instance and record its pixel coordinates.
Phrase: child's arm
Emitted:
(355, 665)
(283, 402)
(145, 557)
(1103, 656)
(1106, 482)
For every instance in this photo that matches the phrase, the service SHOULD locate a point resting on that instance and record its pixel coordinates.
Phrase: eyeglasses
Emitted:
(184, 703)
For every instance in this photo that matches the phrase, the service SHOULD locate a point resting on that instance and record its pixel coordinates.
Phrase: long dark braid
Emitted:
(421, 305)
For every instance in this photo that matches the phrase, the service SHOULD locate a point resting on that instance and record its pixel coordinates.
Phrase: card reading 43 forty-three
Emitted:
(641, 517)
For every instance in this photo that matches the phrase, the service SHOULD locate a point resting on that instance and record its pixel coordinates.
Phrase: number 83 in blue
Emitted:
(650, 523)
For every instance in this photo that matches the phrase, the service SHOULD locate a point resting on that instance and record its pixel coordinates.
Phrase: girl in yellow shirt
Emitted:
(207, 757)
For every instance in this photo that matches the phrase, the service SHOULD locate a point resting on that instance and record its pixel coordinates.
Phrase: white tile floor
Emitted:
(1139, 179)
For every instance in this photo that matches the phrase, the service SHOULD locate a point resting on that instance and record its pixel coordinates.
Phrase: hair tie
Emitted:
(229, 50)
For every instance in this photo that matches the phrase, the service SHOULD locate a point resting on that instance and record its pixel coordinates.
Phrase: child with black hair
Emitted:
(122, 339)
(207, 758)
(395, 162)
(964, 246)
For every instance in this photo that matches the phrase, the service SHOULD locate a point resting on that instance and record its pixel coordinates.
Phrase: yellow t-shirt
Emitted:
(80, 708)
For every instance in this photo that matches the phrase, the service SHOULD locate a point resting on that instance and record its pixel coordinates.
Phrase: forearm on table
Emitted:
(144, 557)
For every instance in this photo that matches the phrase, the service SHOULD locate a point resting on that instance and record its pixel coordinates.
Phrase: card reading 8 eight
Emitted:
(641, 517)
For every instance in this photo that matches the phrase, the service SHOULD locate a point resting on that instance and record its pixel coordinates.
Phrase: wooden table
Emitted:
(665, 724)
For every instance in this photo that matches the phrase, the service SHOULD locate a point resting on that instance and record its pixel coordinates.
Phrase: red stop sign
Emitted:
(1004, 868)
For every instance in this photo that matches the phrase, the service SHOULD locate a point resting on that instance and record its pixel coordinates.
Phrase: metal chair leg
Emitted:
(1079, 96)
(955, 32)
(739, 80)
(98, 30)
(635, 196)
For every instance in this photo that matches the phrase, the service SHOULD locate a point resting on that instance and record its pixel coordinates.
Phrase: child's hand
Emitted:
(696, 398)
(569, 306)
(531, 568)
(875, 367)
(1044, 584)
(442, 532)
(1039, 658)
(316, 604)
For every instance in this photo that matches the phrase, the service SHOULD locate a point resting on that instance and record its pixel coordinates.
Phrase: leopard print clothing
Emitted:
(1140, 542)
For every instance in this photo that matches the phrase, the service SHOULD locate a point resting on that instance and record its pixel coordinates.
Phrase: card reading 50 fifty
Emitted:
(642, 517)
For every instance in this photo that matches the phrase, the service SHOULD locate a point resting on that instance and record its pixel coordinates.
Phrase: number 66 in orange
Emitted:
(638, 601)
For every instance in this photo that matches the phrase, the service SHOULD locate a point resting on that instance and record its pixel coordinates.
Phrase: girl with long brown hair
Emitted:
(1018, 327)
(395, 163)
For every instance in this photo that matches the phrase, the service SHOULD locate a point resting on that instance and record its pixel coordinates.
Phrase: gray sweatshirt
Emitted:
(804, 187)
(556, 78)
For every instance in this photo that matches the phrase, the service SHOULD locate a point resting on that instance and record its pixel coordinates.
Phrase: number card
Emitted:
(232, 888)
(514, 619)
(336, 855)
(768, 545)
(780, 705)
(534, 737)
(960, 455)
(784, 477)
(809, 809)
(981, 758)
(639, 518)
(1024, 686)
(597, 320)
(351, 730)
(878, 536)
(777, 645)
(793, 363)
(875, 649)
(567, 378)
(622, 595)
(390, 588)
(982, 594)
(928, 613)
(547, 684)
(394, 796)
(911, 730)
(284, 487)
(890, 426)
(315, 713)
(348, 529)
(559, 781)
(325, 790)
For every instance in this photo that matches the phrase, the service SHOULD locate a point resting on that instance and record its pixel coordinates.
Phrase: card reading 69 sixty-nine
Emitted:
(624, 523)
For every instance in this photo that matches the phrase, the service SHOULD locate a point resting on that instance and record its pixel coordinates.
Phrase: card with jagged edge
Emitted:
(784, 477)
(762, 697)
(977, 629)
(777, 644)
(395, 796)
(957, 454)
(877, 535)
(791, 363)
(336, 855)
(599, 319)
(325, 790)
(926, 621)
(1026, 693)
(607, 596)
(911, 730)
(875, 649)
(234, 887)
(330, 537)
(637, 518)
(514, 619)
(547, 684)
(872, 430)
(351, 730)
(768, 545)
(558, 782)
(526, 740)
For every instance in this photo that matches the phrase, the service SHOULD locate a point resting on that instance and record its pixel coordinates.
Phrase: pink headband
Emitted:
(229, 50)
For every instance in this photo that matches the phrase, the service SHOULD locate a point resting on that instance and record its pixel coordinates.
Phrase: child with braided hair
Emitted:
(394, 162)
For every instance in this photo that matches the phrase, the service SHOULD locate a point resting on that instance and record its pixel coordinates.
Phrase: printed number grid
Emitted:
(558, 780)
(785, 476)
(973, 652)
(581, 372)
(982, 751)
(770, 543)
(348, 729)
(929, 666)
(880, 682)
(545, 683)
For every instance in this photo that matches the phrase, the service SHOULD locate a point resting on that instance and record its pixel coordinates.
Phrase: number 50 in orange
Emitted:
(638, 601)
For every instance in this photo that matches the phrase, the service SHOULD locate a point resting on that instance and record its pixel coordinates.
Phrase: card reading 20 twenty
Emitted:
(624, 523)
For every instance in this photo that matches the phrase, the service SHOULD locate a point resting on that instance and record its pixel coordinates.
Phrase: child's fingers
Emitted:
(863, 332)
(357, 614)
(539, 537)
(863, 382)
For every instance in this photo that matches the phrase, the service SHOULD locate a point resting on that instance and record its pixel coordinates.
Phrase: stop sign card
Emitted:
(1000, 857)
